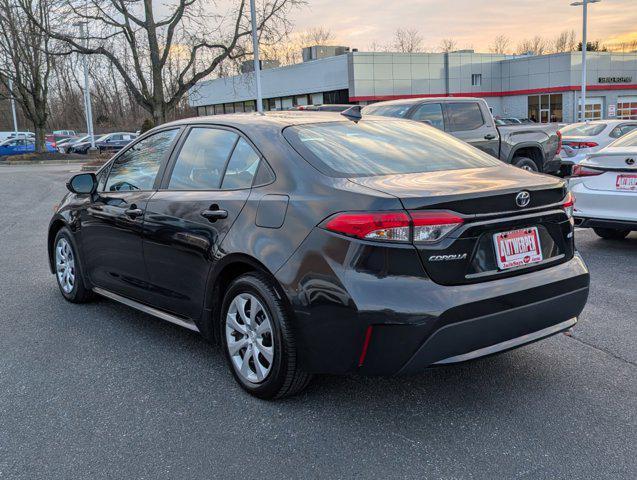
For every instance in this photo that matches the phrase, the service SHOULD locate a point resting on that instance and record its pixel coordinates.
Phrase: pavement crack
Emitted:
(603, 350)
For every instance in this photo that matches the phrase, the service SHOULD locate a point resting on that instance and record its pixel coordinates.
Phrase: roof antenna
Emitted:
(353, 113)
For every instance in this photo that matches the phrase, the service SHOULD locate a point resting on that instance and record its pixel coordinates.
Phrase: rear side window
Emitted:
(367, 148)
(137, 167)
(628, 140)
(398, 111)
(202, 159)
(464, 116)
(622, 130)
(430, 113)
(242, 167)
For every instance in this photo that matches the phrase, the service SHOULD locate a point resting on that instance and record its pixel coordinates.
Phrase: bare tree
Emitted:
(565, 42)
(448, 45)
(25, 60)
(288, 51)
(536, 45)
(500, 44)
(161, 54)
(407, 41)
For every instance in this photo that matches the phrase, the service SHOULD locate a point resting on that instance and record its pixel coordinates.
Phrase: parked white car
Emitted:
(582, 139)
(12, 134)
(605, 189)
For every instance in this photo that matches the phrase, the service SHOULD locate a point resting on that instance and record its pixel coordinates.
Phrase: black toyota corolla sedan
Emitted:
(311, 243)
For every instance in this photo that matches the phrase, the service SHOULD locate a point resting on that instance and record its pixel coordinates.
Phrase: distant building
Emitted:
(545, 88)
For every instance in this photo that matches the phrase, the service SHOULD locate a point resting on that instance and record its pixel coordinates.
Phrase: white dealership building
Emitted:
(545, 88)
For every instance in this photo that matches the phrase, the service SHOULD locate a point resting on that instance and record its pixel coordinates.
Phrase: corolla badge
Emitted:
(523, 199)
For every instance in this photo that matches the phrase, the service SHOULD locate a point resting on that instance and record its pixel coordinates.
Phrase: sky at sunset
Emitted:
(472, 23)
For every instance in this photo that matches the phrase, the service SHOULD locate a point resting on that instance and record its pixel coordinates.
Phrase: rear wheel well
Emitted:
(222, 281)
(534, 153)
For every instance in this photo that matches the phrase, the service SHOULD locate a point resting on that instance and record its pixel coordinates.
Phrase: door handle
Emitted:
(489, 136)
(133, 212)
(214, 215)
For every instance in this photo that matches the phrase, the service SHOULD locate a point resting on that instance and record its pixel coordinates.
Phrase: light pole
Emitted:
(255, 48)
(87, 93)
(584, 5)
(15, 117)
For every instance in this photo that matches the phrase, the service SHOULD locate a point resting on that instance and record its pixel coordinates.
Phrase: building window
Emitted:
(218, 109)
(250, 106)
(545, 108)
(594, 109)
(317, 98)
(476, 79)
(201, 111)
(627, 108)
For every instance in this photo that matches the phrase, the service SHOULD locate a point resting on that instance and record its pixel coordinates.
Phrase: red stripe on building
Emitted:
(532, 91)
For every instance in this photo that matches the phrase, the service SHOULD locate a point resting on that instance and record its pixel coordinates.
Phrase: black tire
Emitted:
(611, 234)
(79, 293)
(526, 163)
(284, 378)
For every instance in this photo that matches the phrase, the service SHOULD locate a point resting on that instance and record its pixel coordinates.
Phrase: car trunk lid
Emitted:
(485, 198)
(618, 167)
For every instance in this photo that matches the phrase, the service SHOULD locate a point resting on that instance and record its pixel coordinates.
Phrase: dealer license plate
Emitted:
(626, 182)
(517, 248)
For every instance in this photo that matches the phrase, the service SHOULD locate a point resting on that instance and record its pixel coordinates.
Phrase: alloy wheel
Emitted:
(249, 338)
(65, 265)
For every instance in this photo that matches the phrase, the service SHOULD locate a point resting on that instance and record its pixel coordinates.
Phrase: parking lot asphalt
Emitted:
(102, 391)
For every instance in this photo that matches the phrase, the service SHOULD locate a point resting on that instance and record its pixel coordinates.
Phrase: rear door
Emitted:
(203, 192)
(467, 121)
(111, 225)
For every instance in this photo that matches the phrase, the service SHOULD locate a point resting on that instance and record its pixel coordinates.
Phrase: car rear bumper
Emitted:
(596, 206)
(349, 318)
(584, 222)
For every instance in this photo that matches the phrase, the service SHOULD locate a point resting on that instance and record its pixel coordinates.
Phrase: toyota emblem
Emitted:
(523, 199)
(630, 161)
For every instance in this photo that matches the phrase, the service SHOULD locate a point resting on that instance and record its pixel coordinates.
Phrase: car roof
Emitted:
(413, 101)
(279, 119)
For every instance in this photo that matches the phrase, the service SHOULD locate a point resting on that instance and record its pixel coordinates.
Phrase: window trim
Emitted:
(167, 173)
(164, 161)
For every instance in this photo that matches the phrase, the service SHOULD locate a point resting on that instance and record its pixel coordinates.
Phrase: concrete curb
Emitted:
(43, 162)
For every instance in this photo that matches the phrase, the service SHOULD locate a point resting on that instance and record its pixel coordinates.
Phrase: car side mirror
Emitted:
(82, 183)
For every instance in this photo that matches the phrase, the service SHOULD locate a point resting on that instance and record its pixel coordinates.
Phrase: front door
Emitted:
(202, 194)
(111, 225)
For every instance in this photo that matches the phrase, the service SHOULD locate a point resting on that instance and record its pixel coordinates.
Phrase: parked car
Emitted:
(53, 138)
(13, 134)
(18, 146)
(66, 133)
(63, 146)
(532, 147)
(605, 185)
(310, 243)
(111, 142)
(327, 107)
(581, 139)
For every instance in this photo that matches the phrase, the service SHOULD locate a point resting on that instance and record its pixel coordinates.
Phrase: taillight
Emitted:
(583, 171)
(559, 142)
(569, 204)
(578, 145)
(421, 227)
(432, 226)
(389, 226)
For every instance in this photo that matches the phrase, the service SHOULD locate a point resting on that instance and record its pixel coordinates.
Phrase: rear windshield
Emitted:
(367, 148)
(628, 140)
(583, 129)
(398, 110)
